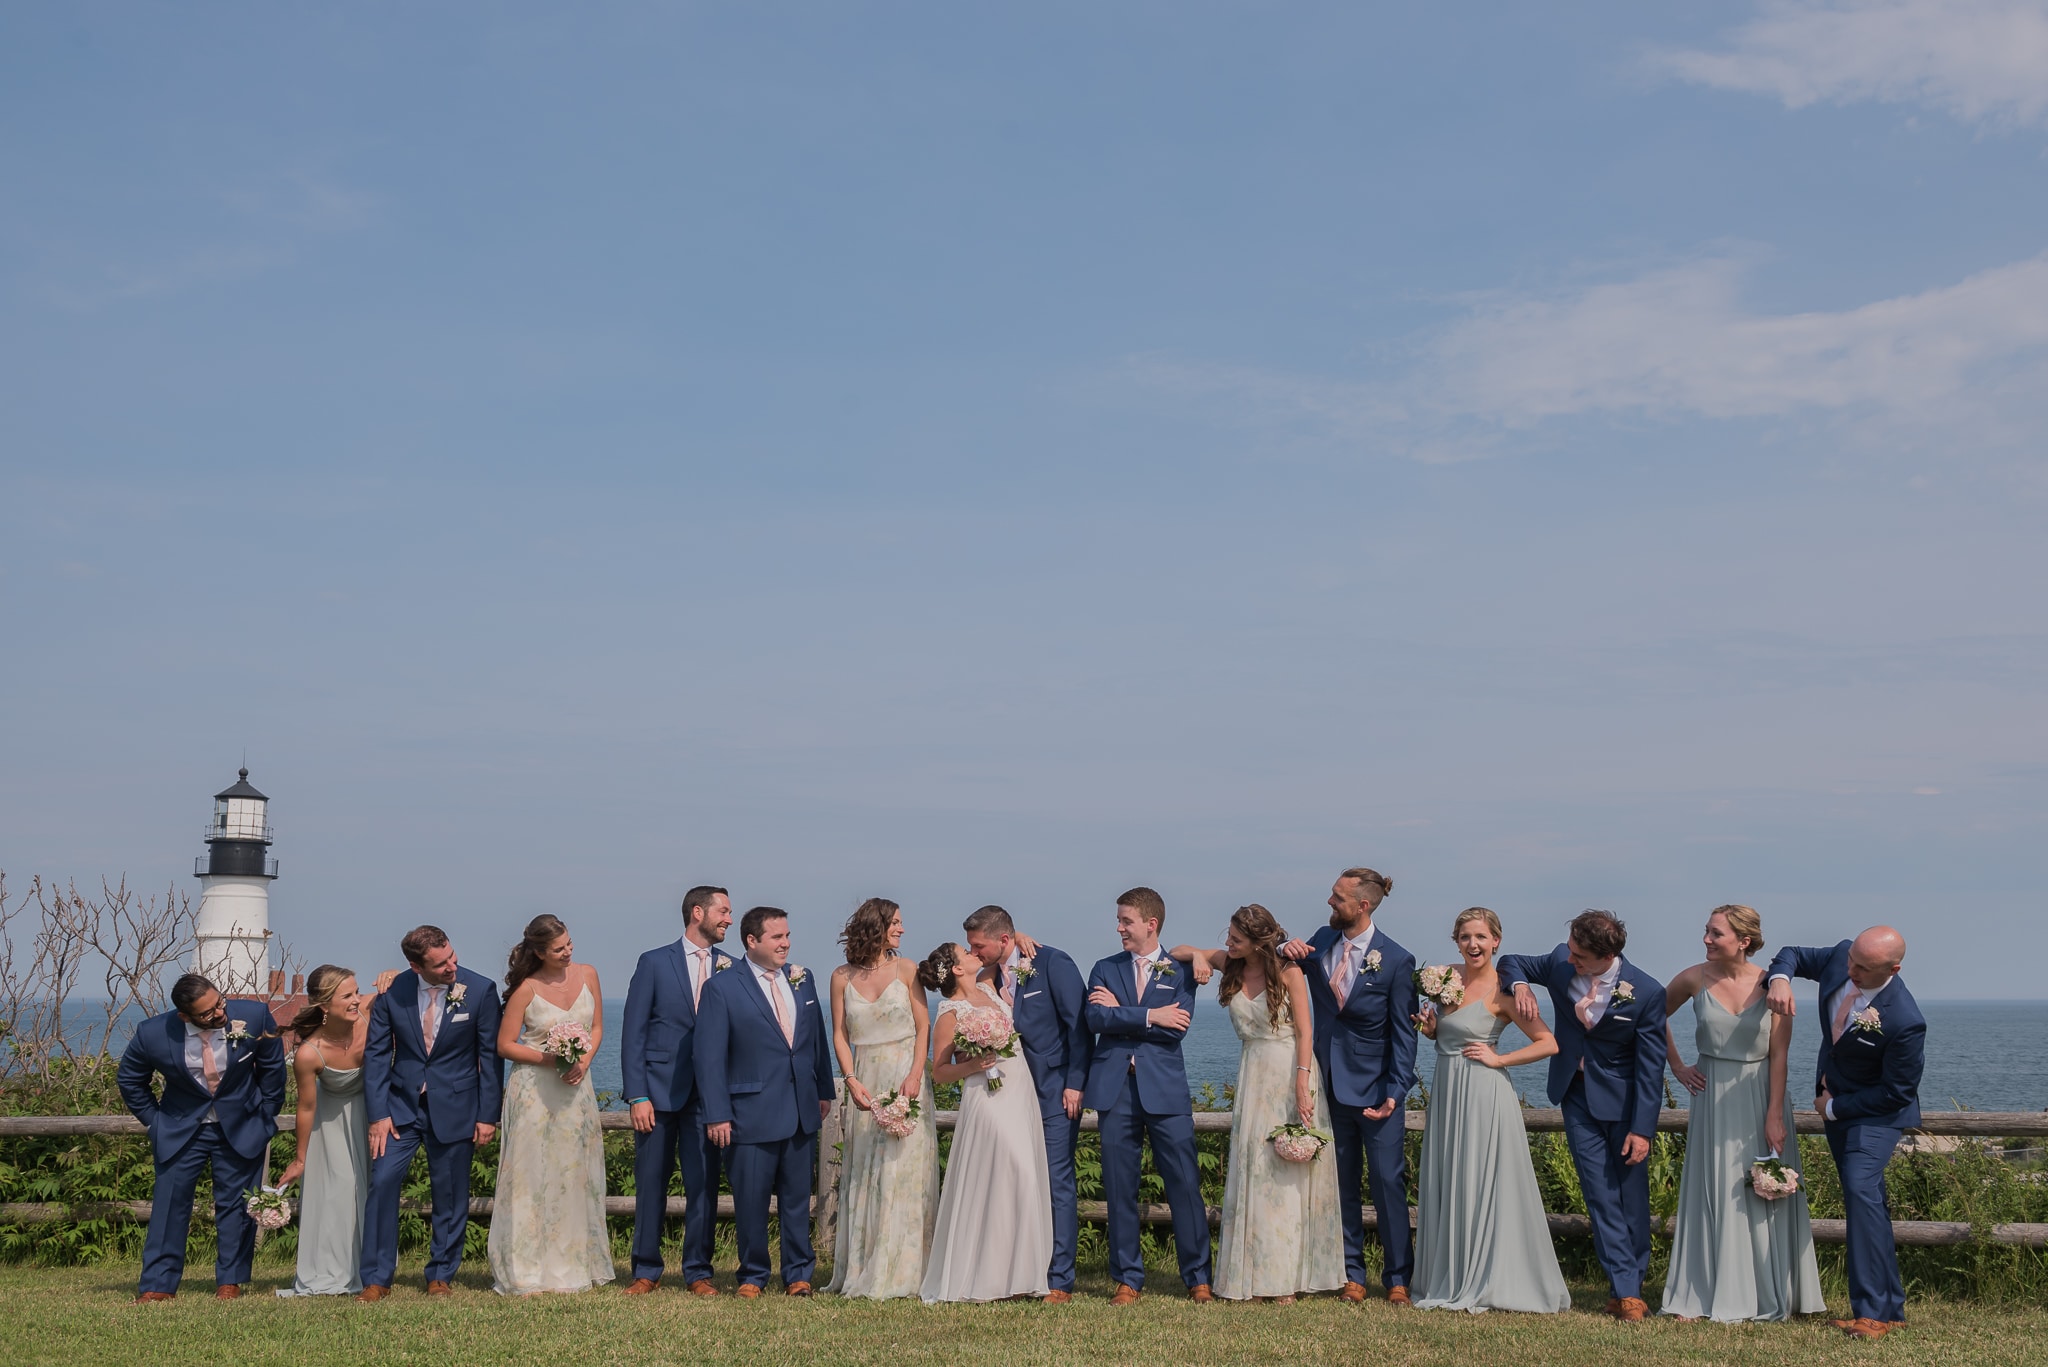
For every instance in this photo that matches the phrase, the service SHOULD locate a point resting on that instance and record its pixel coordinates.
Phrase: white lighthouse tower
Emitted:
(234, 893)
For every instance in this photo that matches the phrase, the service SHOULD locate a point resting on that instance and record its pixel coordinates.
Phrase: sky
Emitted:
(1585, 455)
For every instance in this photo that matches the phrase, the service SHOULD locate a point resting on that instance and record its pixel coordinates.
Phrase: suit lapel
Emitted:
(760, 995)
(407, 999)
(679, 964)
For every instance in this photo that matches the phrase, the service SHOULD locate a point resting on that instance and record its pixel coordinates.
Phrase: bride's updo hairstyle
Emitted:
(866, 935)
(935, 974)
(321, 985)
(542, 931)
(1264, 934)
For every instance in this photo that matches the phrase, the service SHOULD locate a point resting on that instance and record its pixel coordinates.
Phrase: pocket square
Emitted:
(463, 1017)
(1029, 995)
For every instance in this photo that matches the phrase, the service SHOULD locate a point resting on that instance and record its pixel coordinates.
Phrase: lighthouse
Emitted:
(234, 893)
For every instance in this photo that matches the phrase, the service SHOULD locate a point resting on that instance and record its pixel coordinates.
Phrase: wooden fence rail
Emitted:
(1924, 1233)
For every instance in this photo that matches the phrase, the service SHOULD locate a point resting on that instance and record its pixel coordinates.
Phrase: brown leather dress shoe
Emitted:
(373, 1293)
(1867, 1329)
(152, 1297)
(1200, 1293)
(1398, 1295)
(642, 1286)
(797, 1289)
(703, 1287)
(1123, 1295)
(440, 1289)
(1352, 1293)
(1057, 1297)
(749, 1291)
(230, 1292)
(1630, 1309)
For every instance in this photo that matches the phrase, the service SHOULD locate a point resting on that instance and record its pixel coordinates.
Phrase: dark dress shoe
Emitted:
(642, 1286)
(230, 1292)
(152, 1297)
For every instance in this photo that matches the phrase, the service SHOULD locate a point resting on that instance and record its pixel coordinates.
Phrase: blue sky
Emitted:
(1565, 456)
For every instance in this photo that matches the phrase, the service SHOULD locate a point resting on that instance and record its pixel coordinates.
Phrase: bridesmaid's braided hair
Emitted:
(1264, 934)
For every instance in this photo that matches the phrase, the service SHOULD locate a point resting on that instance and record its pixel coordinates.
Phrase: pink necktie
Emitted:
(207, 1063)
(697, 977)
(1584, 1008)
(1842, 1013)
(1340, 986)
(433, 1025)
(782, 1014)
(1010, 988)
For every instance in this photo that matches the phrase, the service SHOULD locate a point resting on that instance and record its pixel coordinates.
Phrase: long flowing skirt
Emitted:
(547, 1221)
(1281, 1234)
(888, 1188)
(993, 1238)
(332, 1192)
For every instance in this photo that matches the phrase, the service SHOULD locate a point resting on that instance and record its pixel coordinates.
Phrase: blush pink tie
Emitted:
(697, 978)
(1842, 1013)
(782, 1017)
(1340, 986)
(432, 1027)
(1584, 1008)
(208, 1064)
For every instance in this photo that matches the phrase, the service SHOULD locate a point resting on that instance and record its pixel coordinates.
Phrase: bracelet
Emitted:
(1300, 1069)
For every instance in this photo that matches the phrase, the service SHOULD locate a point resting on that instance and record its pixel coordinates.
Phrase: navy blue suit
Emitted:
(437, 1100)
(1610, 1082)
(1049, 1012)
(1367, 1054)
(659, 1066)
(768, 1089)
(1138, 1088)
(1873, 1078)
(185, 1144)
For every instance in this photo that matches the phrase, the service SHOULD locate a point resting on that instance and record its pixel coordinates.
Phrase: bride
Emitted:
(547, 1225)
(994, 1235)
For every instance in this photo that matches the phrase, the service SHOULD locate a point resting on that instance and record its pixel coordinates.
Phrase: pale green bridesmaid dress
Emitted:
(1280, 1235)
(888, 1188)
(1734, 1255)
(1481, 1242)
(335, 1183)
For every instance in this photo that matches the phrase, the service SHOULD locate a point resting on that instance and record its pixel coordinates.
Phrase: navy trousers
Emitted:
(1861, 1152)
(1372, 1159)
(1617, 1194)
(1124, 1126)
(1061, 1134)
(448, 1179)
(170, 1216)
(676, 1141)
(781, 1169)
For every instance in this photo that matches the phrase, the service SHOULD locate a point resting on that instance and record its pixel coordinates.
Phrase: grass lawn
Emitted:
(84, 1315)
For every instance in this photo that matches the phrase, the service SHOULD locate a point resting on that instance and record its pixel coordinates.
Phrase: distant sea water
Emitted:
(1981, 1055)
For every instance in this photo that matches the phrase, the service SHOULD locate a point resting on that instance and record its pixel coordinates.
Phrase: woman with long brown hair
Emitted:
(547, 1226)
(1281, 1235)
(889, 1183)
(332, 1164)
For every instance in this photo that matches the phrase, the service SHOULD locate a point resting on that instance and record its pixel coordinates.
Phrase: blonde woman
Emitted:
(1735, 1256)
(1481, 1241)
(333, 1159)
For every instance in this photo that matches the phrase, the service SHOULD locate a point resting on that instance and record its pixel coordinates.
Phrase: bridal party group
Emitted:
(729, 1069)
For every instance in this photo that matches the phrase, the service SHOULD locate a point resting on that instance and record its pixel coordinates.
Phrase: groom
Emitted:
(1608, 1075)
(1046, 1003)
(1873, 1044)
(1139, 1005)
(1361, 987)
(660, 1076)
(223, 1072)
(762, 1060)
(430, 1073)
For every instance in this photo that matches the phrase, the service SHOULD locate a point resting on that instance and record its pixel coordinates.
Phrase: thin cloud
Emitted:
(1983, 61)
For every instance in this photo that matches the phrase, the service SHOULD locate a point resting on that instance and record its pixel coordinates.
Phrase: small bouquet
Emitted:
(567, 1044)
(1297, 1143)
(983, 1031)
(1771, 1180)
(896, 1115)
(268, 1208)
(1441, 986)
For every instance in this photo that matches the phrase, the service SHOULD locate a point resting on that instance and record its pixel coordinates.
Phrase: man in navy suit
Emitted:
(1873, 1044)
(1362, 988)
(1139, 1006)
(1608, 1075)
(661, 1084)
(1047, 1005)
(431, 1076)
(223, 1074)
(762, 1059)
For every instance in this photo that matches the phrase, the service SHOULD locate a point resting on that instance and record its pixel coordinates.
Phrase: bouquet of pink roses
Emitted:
(567, 1044)
(981, 1032)
(1771, 1180)
(1297, 1143)
(896, 1115)
(1441, 986)
(269, 1209)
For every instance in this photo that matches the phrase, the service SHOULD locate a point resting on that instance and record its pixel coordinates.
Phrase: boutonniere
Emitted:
(457, 993)
(1623, 992)
(797, 974)
(1372, 961)
(238, 1032)
(1164, 969)
(1024, 972)
(720, 965)
(1867, 1022)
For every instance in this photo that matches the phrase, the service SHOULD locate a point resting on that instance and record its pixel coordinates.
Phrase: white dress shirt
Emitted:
(1600, 989)
(1141, 968)
(697, 960)
(195, 1061)
(1355, 947)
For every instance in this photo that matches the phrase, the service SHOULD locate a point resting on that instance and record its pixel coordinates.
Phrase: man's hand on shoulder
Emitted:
(1295, 949)
(1526, 1010)
(1780, 998)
